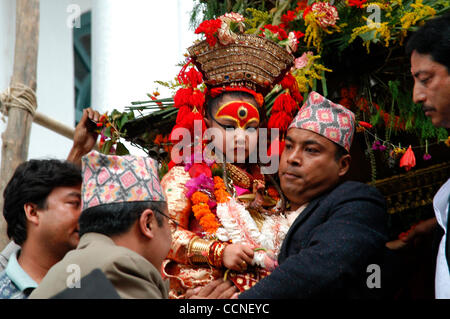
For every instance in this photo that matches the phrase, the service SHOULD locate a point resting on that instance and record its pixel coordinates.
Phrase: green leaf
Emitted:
(121, 149)
(368, 36)
(107, 147)
(107, 132)
(122, 122)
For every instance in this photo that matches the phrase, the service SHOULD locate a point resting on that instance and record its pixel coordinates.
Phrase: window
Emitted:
(82, 65)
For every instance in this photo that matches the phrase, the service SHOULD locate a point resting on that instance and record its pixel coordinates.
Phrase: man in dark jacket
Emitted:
(335, 246)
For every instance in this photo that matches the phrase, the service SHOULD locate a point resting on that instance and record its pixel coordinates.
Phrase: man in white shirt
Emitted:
(429, 49)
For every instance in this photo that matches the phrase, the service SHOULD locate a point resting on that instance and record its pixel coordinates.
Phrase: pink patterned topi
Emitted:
(114, 179)
(331, 120)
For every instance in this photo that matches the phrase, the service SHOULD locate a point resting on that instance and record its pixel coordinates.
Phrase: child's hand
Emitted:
(237, 256)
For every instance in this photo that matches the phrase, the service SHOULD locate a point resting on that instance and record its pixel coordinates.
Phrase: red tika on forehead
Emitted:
(242, 113)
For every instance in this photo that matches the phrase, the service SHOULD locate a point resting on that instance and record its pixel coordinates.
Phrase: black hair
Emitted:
(433, 39)
(32, 182)
(340, 151)
(117, 218)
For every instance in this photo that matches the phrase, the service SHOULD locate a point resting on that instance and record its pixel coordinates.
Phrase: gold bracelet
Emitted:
(218, 254)
(198, 250)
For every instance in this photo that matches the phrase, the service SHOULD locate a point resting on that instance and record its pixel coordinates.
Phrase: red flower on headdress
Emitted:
(307, 10)
(301, 5)
(356, 3)
(280, 120)
(408, 159)
(192, 77)
(209, 28)
(277, 30)
(286, 103)
(289, 82)
(288, 17)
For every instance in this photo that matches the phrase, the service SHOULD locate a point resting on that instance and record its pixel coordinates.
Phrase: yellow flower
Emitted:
(319, 20)
(383, 6)
(259, 18)
(411, 18)
(312, 33)
(306, 75)
(381, 29)
(447, 141)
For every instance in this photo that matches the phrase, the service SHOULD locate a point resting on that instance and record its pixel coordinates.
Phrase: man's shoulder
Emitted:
(353, 189)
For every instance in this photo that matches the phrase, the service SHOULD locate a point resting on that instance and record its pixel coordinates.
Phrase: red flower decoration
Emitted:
(365, 124)
(356, 3)
(209, 28)
(408, 159)
(199, 168)
(288, 17)
(301, 5)
(307, 11)
(277, 30)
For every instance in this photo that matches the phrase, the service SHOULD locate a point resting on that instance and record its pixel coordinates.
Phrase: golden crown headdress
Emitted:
(250, 61)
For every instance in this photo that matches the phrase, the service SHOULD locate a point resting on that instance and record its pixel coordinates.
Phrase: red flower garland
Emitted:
(209, 28)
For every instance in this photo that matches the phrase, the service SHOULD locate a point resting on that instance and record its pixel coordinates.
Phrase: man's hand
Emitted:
(84, 138)
(415, 234)
(217, 289)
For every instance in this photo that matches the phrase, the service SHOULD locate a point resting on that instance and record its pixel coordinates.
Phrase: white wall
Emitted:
(55, 79)
(135, 42)
(55, 93)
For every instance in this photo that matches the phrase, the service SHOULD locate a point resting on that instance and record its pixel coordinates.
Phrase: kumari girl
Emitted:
(229, 216)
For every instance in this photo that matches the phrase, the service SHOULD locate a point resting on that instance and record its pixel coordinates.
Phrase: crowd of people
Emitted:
(110, 218)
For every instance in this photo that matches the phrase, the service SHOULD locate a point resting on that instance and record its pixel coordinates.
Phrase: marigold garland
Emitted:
(220, 190)
(203, 213)
(273, 193)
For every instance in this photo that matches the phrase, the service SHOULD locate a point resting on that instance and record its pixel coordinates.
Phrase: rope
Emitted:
(18, 96)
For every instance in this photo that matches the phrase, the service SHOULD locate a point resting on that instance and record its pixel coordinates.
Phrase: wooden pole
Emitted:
(16, 137)
(53, 125)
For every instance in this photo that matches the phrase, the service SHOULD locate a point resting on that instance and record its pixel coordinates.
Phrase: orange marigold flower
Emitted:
(199, 197)
(272, 192)
(221, 195)
(158, 139)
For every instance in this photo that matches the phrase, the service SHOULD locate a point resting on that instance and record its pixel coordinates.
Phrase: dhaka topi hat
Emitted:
(326, 118)
(114, 179)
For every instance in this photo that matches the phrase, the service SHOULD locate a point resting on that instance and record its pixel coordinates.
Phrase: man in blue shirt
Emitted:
(42, 204)
(14, 281)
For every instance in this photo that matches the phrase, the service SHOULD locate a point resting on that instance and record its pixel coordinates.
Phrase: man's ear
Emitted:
(147, 223)
(344, 164)
(31, 213)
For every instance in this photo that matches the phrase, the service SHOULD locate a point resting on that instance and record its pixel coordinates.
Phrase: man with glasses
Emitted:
(124, 229)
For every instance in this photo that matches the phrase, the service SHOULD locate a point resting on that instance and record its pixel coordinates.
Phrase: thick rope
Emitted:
(18, 96)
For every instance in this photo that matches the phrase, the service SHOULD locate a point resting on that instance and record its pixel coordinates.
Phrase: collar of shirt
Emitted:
(292, 215)
(441, 204)
(17, 275)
